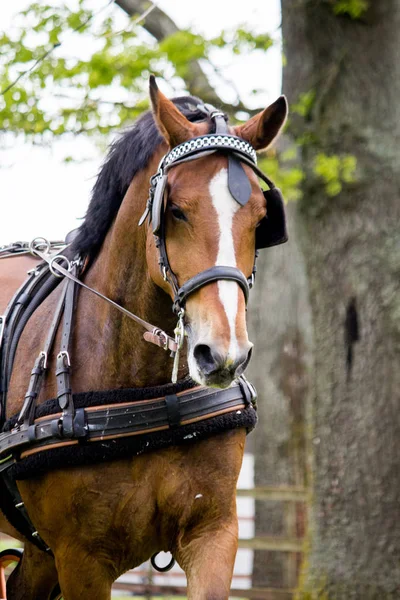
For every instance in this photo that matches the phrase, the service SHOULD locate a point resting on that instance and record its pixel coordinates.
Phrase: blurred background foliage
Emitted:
(106, 90)
(117, 59)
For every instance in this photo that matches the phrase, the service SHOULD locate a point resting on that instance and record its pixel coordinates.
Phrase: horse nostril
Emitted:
(206, 360)
(241, 364)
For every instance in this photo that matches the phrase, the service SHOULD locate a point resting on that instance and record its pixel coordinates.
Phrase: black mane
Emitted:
(126, 157)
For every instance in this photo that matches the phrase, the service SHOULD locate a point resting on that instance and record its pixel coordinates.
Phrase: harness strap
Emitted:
(112, 421)
(28, 408)
(166, 341)
(63, 363)
(33, 291)
(37, 375)
(23, 522)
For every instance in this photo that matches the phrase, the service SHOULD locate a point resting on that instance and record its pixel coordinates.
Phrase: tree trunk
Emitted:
(280, 326)
(352, 251)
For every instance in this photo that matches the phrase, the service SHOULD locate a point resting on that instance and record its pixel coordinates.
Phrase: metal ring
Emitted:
(55, 259)
(38, 243)
(167, 567)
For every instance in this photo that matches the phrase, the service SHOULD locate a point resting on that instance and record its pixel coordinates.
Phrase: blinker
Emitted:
(272, 229)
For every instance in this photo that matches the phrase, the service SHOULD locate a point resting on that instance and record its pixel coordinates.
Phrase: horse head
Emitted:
(204, 226)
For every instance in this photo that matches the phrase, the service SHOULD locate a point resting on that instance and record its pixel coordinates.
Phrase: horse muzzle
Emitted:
(211, 367)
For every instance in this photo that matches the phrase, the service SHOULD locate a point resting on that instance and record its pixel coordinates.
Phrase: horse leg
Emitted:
(34, 578)
(208, 559)
(82, 576)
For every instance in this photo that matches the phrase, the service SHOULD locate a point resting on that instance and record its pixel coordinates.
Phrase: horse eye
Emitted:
(178, 214)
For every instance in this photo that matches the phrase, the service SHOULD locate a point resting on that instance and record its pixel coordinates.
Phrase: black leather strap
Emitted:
(13, 501)
(238, 182)
(173, 410)
(63, 365)
(130, 418)
(16, 315)
(35, 382)
(37, 375)
(209, 276)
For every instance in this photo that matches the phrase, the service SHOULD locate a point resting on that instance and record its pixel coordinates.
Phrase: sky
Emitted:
(41, 195)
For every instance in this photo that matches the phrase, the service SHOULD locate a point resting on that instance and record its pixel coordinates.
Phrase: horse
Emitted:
(101, 520)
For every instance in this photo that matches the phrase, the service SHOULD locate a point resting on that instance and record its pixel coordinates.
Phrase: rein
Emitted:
(158, 336)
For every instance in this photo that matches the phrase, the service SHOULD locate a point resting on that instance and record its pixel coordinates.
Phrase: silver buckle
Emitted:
(43, 356)
(162, 336)
(64, 354)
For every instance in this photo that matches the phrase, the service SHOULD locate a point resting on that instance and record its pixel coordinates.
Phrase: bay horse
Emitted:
(102, 520)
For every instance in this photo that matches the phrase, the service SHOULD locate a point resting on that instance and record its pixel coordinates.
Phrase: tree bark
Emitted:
(352, 249)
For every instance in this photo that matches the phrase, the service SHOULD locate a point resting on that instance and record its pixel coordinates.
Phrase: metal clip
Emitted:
(179, 339)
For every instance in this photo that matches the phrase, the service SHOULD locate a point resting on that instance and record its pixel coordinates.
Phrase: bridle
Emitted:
(238, 151)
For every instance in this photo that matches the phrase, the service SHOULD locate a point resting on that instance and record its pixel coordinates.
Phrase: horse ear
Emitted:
(263, 128)
(173, 125)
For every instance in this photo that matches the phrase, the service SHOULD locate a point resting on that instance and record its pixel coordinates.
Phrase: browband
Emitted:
(210, 141)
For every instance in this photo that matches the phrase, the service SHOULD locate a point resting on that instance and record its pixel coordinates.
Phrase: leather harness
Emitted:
(27, 434)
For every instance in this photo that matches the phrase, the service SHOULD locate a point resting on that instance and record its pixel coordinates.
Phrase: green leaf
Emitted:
(304, 104)
(353, 8)
(334, 170)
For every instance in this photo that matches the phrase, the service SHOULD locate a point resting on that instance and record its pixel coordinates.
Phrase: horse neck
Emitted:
(121, 357)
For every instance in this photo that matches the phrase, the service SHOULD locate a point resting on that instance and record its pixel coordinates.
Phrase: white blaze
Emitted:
(226, 207)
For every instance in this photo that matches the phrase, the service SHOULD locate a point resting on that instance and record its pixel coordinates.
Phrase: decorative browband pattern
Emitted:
(210, 142)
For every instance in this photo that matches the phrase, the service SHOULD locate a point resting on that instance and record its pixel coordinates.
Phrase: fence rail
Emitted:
(284, 493)
(168, 590)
